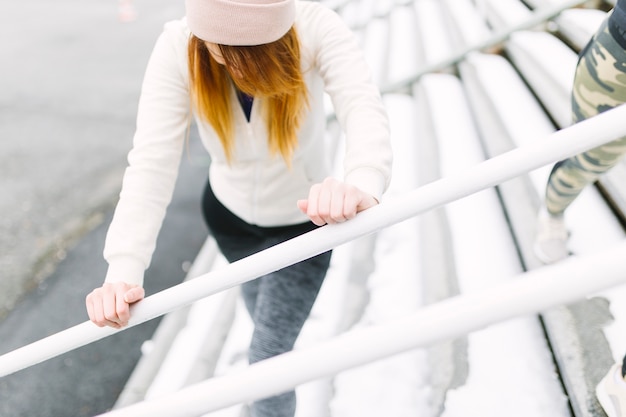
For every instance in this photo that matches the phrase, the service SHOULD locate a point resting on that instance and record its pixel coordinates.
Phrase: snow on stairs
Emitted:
(546, 65)
(442, 124)
(477, 228)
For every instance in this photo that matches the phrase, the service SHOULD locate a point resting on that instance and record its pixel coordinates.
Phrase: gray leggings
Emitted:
(599, 85)
(279, 303)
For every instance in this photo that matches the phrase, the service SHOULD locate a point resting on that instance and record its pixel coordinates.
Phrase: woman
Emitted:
(599, 85)
(253, 74)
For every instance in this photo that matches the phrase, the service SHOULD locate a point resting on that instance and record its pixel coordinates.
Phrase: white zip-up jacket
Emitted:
(256, 186)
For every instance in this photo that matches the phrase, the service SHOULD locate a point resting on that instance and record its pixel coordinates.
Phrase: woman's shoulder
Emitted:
(177, 29)
(174, 36)
(170, 49)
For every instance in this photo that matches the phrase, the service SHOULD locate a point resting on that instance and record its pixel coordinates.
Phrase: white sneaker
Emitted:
(611, 392)
(551, 238)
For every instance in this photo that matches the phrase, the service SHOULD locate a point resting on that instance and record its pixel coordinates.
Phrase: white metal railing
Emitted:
(526, 293)
(564, 143)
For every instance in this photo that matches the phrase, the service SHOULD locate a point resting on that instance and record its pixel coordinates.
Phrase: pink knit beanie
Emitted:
(240, 22)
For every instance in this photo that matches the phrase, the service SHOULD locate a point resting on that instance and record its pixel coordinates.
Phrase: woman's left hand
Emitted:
(333, 201)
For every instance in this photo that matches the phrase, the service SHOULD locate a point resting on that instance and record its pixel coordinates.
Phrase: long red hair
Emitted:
(271, 73)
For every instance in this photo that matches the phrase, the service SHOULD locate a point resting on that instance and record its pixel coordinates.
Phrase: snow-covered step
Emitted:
(405, 52)
(536, 389)
(391, 386)
(435, 38)
(192, 356)
(149, 371)
(234, 355)
(506, 112)
(465, 22)
(506, 123)
(383, 7)
(579, 25)
(362, 12)
(568, 328)
(536, 4)
(501, 14)
(375, 44)
(350, 13)
(548, 65)
(613, 184)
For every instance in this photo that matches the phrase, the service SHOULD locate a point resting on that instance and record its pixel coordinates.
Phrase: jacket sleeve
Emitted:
(153, 162)
(356, 100)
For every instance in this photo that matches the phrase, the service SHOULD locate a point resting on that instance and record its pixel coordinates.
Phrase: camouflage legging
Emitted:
(599, 85)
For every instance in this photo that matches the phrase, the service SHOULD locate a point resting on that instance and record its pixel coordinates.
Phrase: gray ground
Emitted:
(70, 80)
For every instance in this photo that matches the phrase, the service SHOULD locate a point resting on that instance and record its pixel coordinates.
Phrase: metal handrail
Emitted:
(524, 294)
(564, 143)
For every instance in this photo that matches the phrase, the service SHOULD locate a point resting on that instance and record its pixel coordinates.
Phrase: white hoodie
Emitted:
(257, 187)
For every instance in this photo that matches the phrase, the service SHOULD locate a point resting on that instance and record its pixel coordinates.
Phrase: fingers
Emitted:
(109, 305)
(303, 205)
(101, 303)
(321, 199)
(134, 294)
(333, 201)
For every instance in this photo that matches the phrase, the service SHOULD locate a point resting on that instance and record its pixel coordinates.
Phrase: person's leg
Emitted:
(235, 238)
(599, 85)
(284, 301)
(279, 303)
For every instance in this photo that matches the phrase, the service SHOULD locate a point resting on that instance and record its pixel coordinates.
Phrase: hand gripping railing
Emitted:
(524, 294)
(564, 143)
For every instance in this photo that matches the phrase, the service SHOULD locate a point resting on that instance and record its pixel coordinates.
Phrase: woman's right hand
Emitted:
(109, 305)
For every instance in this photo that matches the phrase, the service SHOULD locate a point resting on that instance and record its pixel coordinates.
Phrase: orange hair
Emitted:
(270, 72)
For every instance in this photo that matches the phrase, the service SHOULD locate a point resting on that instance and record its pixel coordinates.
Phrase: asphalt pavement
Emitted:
(70, 79)
(88, 380)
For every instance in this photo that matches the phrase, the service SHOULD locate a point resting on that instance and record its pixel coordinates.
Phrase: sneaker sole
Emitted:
(545, 259)
(606, 402)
